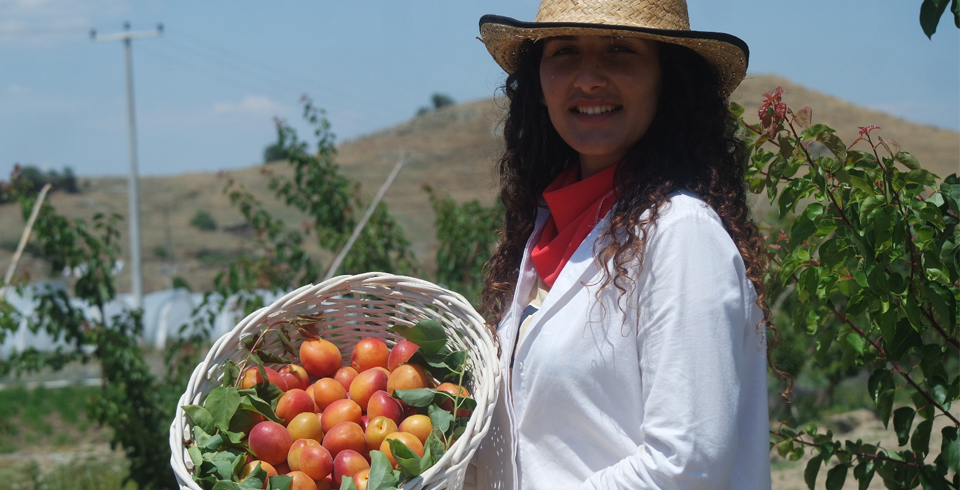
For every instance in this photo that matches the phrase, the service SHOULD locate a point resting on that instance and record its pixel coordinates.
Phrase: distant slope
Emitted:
(452, 149)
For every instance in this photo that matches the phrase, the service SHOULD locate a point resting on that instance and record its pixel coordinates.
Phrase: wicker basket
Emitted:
(348, 309)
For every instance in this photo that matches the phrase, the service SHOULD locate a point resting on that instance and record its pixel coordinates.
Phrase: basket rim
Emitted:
(473, 327)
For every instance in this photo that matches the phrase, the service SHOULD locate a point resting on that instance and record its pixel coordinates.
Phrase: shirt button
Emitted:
(520, 365)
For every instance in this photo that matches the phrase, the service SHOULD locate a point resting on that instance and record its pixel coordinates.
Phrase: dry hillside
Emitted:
(450, 149)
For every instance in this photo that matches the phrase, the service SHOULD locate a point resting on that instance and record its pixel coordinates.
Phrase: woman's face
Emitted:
(601, 93)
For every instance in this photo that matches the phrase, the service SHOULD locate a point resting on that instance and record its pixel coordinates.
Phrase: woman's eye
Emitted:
(563, 50)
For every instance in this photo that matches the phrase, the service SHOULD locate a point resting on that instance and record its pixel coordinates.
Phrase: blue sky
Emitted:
(208, 89)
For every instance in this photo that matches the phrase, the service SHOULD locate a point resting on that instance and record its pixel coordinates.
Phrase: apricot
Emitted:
(382, 404)
(361, 478)
(340, 411)
(321, 358)
(327, 391)
(401, 353)
(455, 390)
(296, 449)
(325, 484)
(305, 425)
(366, 384)
(406, 438)
(343, 436)
(345, 376)
(252, 377)
(293, 402)
(377, 430)
(418, 425)
(295, 376)
(369, 353)
(347, 463)
(252, 465)
(408, 377)
(316, 462)
(270, 442)
(301, 481)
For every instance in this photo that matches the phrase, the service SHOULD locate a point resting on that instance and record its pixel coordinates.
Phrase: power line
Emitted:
(43, 31)
(240, 83)
(226, 57)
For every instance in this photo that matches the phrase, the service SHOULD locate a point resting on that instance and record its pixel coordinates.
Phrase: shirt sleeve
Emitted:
(693, 316)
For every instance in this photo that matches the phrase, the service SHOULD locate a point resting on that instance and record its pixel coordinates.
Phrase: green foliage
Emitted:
(931, 11)
(872, 268)
(32, 179)
(203, 220)
(438, 100)
(466, 234)
(335, 203)
(132, 401)
(273, 153)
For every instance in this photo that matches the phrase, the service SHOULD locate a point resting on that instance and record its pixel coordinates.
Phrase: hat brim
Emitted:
(728, 54)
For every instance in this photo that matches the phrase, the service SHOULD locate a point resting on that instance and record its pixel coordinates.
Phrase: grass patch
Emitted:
(44, 417)
(103, 472)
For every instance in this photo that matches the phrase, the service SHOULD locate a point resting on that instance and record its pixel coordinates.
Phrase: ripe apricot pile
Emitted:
(329, 421)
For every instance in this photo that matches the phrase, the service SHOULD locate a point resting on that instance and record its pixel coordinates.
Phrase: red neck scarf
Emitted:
(576, 206)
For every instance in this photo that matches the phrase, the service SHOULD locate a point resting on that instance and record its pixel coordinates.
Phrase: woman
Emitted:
(627, 288)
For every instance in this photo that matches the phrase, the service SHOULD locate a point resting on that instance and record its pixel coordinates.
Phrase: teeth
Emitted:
(595, 109)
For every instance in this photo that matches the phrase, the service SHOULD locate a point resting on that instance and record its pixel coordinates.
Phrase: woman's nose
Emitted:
(590, 75)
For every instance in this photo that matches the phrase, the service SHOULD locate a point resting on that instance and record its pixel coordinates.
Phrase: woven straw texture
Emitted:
(347, 309)
(667, 21)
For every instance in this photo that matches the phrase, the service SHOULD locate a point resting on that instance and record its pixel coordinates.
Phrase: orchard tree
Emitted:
(872, 261)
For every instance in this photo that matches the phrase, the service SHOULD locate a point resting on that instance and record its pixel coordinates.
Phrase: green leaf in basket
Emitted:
(279, 482)
(382, 476)
(267, 356)
(195, 455)
(224, 461)
(346, 483)
(255, 480)
(417, 397)
(230, 373)
(251, 400)
(407, 460)
(201, 417)
(440, 418)
(251, 483)
(222, 403)
(267, 391)
(288, 346)
(206, 441)
(466, 403)
(226, 485)
(428, 334)
(454, 360)
(432, 451)
(235, 437)
(238, 462)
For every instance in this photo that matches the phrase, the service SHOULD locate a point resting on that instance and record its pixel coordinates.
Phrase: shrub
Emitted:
(204, 221)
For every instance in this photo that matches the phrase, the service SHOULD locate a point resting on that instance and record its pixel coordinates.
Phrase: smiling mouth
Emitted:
(593, 110)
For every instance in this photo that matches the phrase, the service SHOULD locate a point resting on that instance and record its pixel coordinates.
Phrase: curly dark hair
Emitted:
(692, 125)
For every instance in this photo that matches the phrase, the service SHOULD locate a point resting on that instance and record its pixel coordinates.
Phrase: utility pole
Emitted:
(136, 272)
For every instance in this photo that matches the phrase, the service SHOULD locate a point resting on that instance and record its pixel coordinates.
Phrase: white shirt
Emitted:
(664, 388)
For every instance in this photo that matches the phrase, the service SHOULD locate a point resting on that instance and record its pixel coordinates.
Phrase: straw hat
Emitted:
(661, 20)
